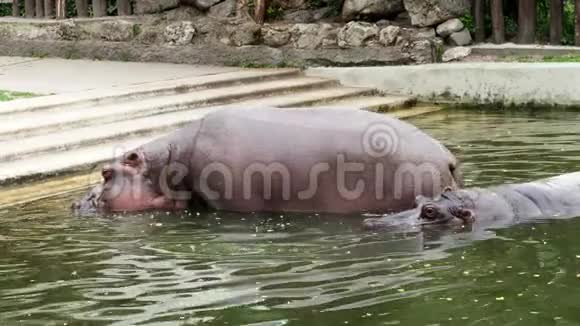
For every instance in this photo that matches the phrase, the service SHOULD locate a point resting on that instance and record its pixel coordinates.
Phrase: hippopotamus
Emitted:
(326, 160)
(499, 206)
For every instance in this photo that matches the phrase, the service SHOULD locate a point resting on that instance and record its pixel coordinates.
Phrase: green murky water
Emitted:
(227, 269)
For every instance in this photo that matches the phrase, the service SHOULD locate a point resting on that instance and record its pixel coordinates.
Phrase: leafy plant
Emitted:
(274, 12)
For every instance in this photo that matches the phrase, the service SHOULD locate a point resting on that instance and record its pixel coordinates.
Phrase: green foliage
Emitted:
(5, 9)
(563, 58)
(274, 12)
(8, 95)
(542, 20)
(469, 22)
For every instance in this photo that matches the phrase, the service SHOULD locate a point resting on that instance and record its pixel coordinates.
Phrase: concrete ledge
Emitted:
(478, 83)
(511, 49)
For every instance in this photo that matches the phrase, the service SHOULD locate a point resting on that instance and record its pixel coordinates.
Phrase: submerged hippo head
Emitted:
(451, 208)
(126, 187)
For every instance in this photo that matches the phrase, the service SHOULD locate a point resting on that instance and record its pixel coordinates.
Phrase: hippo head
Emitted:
(125, 187)
(451, 208)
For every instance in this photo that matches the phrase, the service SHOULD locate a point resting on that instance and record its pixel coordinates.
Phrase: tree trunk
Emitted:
(60, 9)
(497, 21)
(29, 8)
(577, 22)
(99, 8)
(479, 15)
(39, 9)
(124, 7)
(260, 11)
(16, 8)
(527, 21)
(556, 13)
(82, 8)
(48, 8)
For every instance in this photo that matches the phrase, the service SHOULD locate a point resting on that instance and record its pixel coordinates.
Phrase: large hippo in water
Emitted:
(287, 160)
(557, 197)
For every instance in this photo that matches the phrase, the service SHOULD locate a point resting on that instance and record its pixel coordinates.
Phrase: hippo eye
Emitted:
(429, 212)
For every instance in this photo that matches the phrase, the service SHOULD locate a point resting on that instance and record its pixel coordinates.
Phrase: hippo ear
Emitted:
(447, 189)
(467, 215)
(134, 159)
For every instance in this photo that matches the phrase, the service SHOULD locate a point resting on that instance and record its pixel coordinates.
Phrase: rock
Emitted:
(68, 31)
(299, 16)
(424, 33)
(456, 53)
(312, 36)
(433, 12)
(449, 27)
(388, 35)
(143, 7)
(116, 31)
(204, 4)
(245, 34)
(356, 34)
(275, 36)
(180, 33)
(410, 34)
(422, 51)
(290, 4)
(460, 38)
(183, 13)
(352, 9)
(223, 9)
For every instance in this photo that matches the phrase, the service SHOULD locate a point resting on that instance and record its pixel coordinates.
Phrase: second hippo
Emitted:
(553, 198)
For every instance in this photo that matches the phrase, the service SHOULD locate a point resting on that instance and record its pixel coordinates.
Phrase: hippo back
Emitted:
(264, 159)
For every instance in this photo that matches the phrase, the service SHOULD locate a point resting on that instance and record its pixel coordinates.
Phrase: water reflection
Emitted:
(272, 269)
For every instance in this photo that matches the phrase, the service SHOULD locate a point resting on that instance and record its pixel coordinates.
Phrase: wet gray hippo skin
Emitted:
(557, 197)
(222, 161)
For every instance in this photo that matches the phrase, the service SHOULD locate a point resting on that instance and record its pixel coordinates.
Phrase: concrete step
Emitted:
(385, 103)
(416, 111)
(35, 123)
(316, 96)
(71, 139)
(78, 157)
(54, 163)
(168, 87)
(74, 138)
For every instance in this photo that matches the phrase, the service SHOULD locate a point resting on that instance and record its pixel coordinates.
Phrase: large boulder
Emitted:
(455, 54)
(201, 4)
(275, 36)
(460, 38)
(224, 9)
(388, 35)
(357, 34)
(449, 27)
(313, 36)
(143, 7)
(433, 12)
(352, 9)
(179, 33)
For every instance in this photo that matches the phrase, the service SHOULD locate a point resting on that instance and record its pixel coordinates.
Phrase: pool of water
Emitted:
(233, 269)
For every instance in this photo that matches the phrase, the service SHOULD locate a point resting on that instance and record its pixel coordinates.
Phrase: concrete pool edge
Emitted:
(472, 83)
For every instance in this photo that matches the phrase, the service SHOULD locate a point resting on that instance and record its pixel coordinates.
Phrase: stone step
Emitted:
(35, 123)
(317, 96)
(385, 103)
(79, 159)
(416, 111)
(168, 87)
(74, 138)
